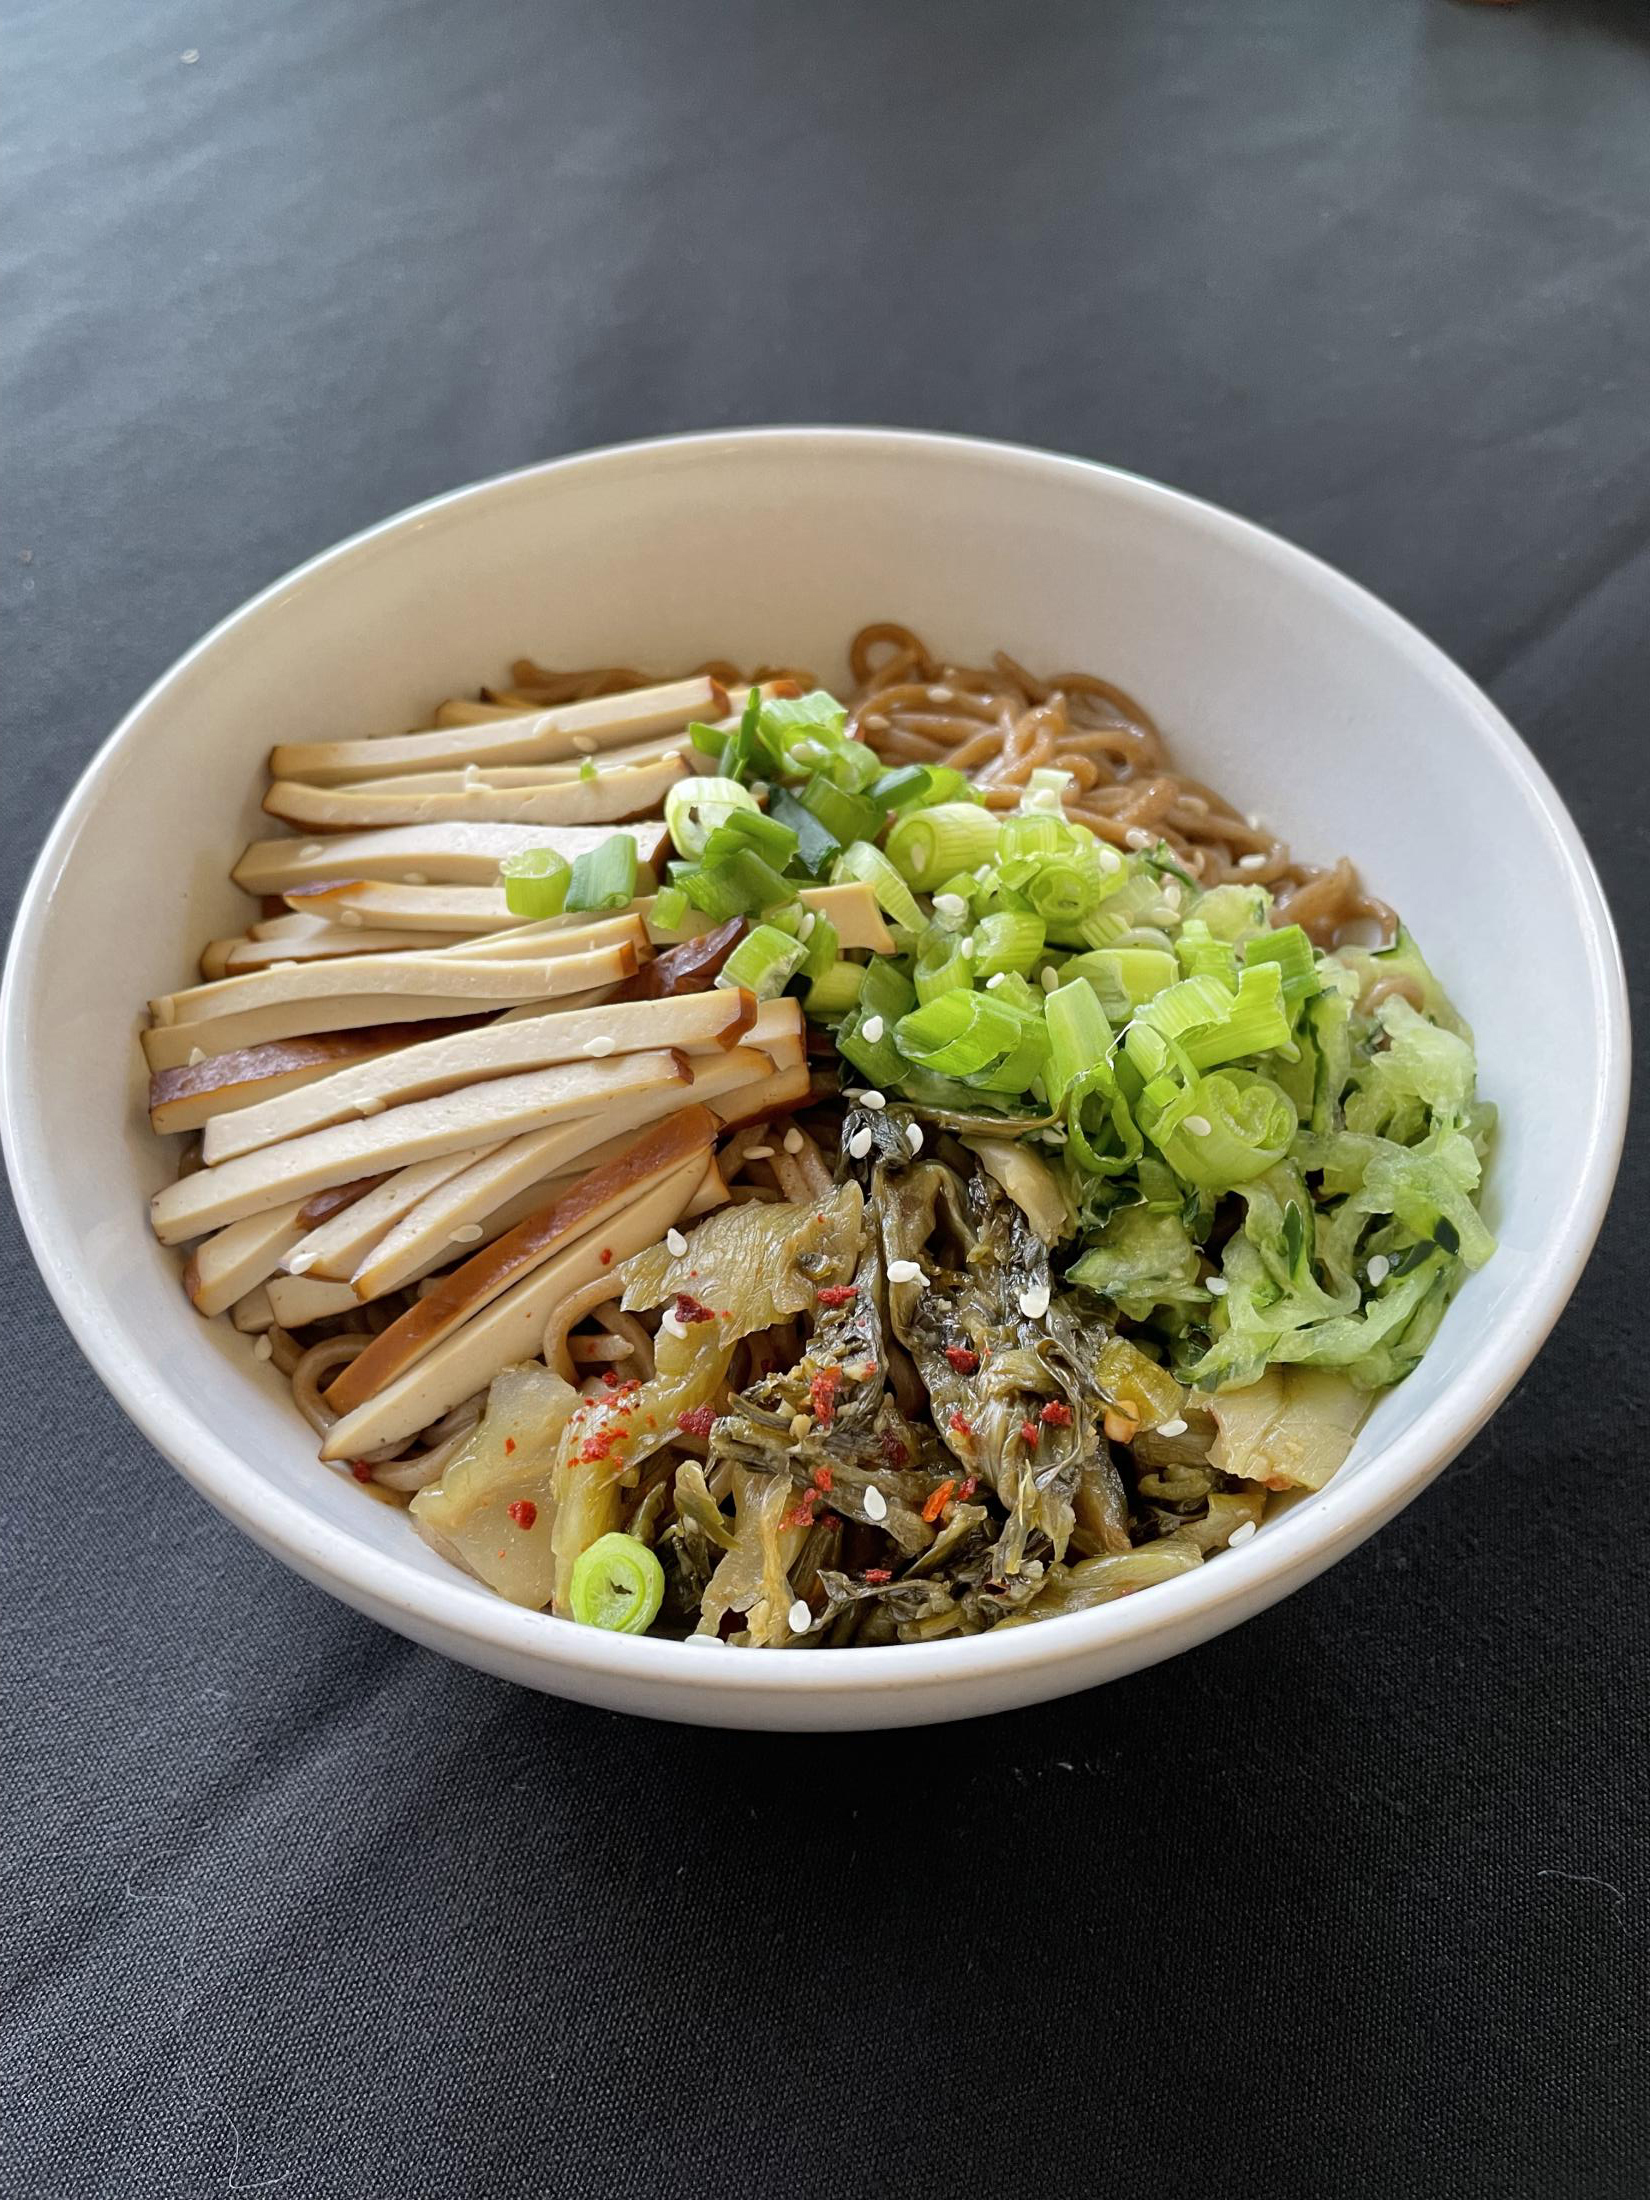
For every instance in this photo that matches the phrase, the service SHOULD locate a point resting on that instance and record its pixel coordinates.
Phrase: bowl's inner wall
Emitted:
(1271, 678)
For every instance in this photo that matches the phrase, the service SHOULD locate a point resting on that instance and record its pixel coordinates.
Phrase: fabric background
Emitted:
(1350, 1902)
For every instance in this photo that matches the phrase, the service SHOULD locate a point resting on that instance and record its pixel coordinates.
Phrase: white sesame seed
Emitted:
(904, 1271)
(262, 1349)
(799, 1617)
(372, 1105)
(969, 947)
(472, 772)
(1252, 863)
(794, 1141)
(711, 1641)
(872, 1029)
(874, 721)
(950, 905)
(1240, 1534)
(350, 917)
(1138, 837)
(1199, 1125)
(800, 1424)
(805, 930)
(1034, 1301)
(874, 1100)
(1176, 1427)
(415, 878)
(859, 1145)
(299, 1264)
(1050, 980)
(1043, 798)
(760, 788)
(584, 744)
(1217, 1286)
(675, 1243)
(876, 1505)
(671, 1323)
(992, 983)
(467, 1233)
(196, 1057)
(941, 695)
(1171, 895)
(758, 1153)
(1252, 820)
(601, 1046)
(913, 1136)
(1110, 860)
(1378, 1269)
(311, 849)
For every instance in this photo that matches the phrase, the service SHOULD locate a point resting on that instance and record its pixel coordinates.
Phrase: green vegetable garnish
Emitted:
(536, 882)
(617, 1584)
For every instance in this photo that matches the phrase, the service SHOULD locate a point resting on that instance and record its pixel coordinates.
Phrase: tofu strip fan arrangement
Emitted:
(391, 1083)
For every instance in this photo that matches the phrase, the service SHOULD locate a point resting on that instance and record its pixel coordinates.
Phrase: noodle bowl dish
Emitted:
(815, 1078)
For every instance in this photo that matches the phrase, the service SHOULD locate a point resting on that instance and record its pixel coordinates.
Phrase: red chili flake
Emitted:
(829, 1520)
(1030, 1432)
(523, 1512)
(801, 1515)
(959, 1427)
(822, 1478)
(689, 1309)
(964, 1361)
(937, 1503)
(877, 1573)
(361, 1469)
(970, 1485)
(1055, 1414)
(697, 1421)
(822, 1395)
(838, 1294)
(610, 1379)
(509, 1446)
(892, 1449)
(607, 1254)
(600, 1446)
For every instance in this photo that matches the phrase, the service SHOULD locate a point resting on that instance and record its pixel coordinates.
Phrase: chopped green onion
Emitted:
(669, 911)
(695, 807)
(1202, 955)
(1253, 1023)
(1027, 836)
(1124, 977)
(926, 846)
(739, 884)
(834, 992)
(914, 786)
(617, 1584)
(1006, 941)
(941, 965)
(605, 878)
(847, 817)
(1225, 1129)
(535, 883)
(817, 847)
(959, 1034)
(888, 993)
(1080, 1038)
(1292, 951)
(764, 962)
(1022, 1065)
(872, 868)
(1101, 1136)
(1193, 1005)
(773, 840)
(821, 944)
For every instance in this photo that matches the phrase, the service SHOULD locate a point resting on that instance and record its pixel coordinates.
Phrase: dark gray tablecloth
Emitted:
(1350, 1902)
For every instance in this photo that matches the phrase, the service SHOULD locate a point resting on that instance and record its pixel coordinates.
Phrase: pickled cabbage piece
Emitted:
(509, 1461)
(1102, 1580)
(1140, 1389)
(1228, 1510)
(1029, 1182)
(1291, 1429)
(751, 1265)
(753, 1578)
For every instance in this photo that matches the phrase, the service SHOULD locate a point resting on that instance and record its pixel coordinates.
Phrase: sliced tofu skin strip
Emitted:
(484, 1114)
(449, 779)
(541, 1165)
(673, 1151)
(454, 854)
(787, 1089)
(253, 1314)
(605, 797)
(464, 911)
(183, 1099)
(445, 990)
(509, 1330)
(697, 1021)
(501, 981)
(233, 958)
(297, 1300)
(568, 733)
(335, 1249)
(237, 1259)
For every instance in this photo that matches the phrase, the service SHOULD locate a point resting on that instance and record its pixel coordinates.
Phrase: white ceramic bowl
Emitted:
(1275, 677)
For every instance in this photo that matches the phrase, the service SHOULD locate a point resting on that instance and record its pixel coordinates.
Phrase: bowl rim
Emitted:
(1188, 1609)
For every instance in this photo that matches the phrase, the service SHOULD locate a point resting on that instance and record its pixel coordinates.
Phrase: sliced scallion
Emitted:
(834, 992)
(764, 962)
(927, 846)
(695, 807)
(605, 878)
(617, 1584)
(535, 883)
